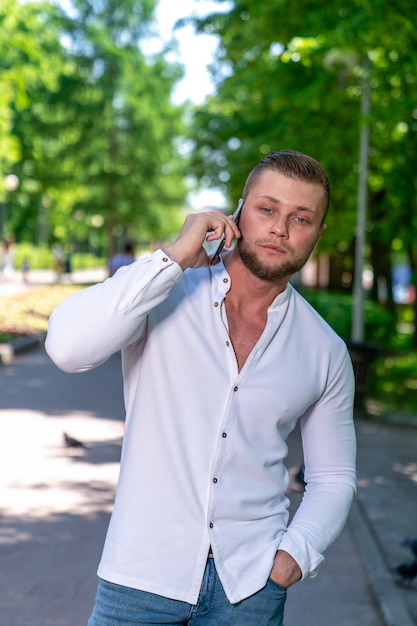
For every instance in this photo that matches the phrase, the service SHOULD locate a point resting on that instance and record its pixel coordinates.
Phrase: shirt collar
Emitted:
(222, 282)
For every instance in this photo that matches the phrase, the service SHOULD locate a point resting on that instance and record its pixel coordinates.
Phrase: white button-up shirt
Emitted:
(204, 447)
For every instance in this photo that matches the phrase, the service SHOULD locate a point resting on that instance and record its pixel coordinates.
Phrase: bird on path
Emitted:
(71, 442)
(407, 571)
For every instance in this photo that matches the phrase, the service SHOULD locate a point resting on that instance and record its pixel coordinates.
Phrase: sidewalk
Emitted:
(16, 283)
(54, 501)
(55, 505)
(386, 512)
(382, 515)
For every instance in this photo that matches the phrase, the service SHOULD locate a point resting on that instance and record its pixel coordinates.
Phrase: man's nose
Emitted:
(280, 226)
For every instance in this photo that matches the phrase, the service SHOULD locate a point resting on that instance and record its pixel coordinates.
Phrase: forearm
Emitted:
(329, 446)
(316, 524)
(90, 326)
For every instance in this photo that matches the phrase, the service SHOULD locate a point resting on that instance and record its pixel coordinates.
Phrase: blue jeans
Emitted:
(121, 606)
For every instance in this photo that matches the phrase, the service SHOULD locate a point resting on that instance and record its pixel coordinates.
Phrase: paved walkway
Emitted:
(55, 505)
(16, 284)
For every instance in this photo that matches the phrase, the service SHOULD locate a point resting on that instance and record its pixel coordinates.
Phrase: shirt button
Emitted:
(227, 343)
(224, 435)
(215, 480)
(211, 524)
(165, 259)
(235, 388)
(216, 304)
(225, 280)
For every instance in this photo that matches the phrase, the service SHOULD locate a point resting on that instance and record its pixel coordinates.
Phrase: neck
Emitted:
(247, 290)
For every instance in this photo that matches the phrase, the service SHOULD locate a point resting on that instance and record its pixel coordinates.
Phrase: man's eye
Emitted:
(266, 210)
(301, 220)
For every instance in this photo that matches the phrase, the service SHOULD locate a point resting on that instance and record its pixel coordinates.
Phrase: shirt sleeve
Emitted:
(90, 326)
(329, 446)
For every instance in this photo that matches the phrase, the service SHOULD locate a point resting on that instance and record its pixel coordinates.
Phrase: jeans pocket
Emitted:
(271, 581)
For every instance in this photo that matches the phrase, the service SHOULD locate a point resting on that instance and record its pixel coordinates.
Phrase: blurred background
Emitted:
(116, 118)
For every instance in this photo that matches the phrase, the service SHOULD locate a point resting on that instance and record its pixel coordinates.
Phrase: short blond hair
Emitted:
(294, 165)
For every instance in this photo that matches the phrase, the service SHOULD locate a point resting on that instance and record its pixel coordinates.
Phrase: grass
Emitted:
(28, 313)
(393, 382)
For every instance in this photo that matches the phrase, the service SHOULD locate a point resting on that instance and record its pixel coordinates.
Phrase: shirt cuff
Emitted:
(306, 557)
(163, 258)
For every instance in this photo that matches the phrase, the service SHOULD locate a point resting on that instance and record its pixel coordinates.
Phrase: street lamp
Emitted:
(362, 354)
(358, 295)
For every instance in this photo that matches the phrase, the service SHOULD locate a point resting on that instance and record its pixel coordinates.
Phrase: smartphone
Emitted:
(220, 247)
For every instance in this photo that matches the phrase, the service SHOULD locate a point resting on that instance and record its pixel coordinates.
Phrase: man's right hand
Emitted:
(187, 250)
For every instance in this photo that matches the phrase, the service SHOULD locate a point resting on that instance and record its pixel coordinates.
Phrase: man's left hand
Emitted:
(285, 570)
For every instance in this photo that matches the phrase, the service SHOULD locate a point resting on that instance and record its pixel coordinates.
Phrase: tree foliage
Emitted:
(290, 75)
(89, 127)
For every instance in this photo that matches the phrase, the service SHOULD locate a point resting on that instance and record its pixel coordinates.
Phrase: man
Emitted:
(220, 362)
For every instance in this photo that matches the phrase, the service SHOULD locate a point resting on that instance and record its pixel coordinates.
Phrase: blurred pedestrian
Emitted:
(25, 270)
(7, 265)
(67, 269)
(126, 257)
(58, 261)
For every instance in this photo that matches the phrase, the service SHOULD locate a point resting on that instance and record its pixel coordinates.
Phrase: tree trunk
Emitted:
(381, 263)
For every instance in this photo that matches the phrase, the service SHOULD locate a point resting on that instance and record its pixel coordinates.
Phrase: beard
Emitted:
(269, 272)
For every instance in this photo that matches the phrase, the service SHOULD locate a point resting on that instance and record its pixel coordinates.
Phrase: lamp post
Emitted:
(362, 354)
(358, 294)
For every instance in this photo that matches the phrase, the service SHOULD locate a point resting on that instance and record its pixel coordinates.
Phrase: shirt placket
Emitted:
(219, 294)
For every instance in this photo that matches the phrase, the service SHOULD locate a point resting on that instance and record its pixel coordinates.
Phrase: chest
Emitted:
(244, 331)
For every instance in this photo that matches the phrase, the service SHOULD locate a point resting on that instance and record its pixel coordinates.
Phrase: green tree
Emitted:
(94, 131)
(29, 60)
(128, 163)
(291, 76)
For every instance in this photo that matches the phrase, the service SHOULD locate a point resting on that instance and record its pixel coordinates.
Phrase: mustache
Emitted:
(275, 244)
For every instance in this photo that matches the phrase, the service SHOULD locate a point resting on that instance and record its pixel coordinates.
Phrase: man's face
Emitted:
(281, 222)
